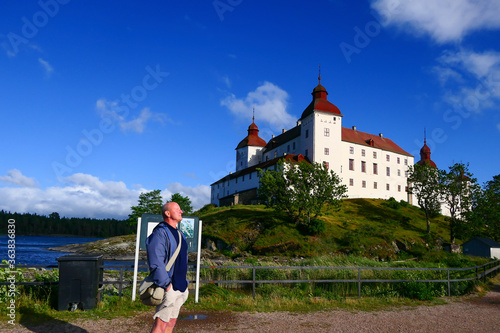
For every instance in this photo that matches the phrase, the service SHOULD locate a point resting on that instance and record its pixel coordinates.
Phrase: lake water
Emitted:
(33, 250)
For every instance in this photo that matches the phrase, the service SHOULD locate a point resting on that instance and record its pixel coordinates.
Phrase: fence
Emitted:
(357, 275)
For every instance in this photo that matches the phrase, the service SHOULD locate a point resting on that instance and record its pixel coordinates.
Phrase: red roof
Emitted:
(425, 156)
(371, 140)
(253, 138)
(320, 103)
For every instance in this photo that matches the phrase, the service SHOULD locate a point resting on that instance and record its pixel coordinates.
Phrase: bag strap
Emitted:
(171, 261)
(176, 253)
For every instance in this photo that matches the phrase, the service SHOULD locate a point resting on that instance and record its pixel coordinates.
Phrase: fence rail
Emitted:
(480, 272)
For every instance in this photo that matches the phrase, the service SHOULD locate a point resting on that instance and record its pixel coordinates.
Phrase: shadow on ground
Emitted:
(42, 323)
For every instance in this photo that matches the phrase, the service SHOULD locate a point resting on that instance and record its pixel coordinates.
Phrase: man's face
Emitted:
(175, 212)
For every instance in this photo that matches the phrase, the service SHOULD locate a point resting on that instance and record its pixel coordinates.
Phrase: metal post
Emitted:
(198, 260)
(121, 282)
(359, 282)
(449, 287)
(136, 258)
(253, 282)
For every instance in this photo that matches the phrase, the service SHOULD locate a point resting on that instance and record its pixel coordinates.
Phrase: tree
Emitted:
(424, 184)
(457, 190)
(149, 203)
(484, 218)
(184, 202)
(301, 189)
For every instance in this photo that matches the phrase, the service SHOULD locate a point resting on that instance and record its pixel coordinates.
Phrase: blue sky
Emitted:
(102, 100)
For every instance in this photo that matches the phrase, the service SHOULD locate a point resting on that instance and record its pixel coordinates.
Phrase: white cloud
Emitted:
(117, 113)
(85, 195)
(199, 195)
(472, 79)
(15, 177)
(46, 66)
(443, 20)
(269, 102)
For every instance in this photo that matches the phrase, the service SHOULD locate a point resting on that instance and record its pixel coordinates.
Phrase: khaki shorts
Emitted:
(171, 305)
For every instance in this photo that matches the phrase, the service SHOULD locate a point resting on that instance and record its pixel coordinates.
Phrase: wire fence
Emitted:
(254, 276)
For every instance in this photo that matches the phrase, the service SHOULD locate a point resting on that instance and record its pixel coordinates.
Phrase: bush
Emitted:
(391, 203)
(207, 208)
(316, 226)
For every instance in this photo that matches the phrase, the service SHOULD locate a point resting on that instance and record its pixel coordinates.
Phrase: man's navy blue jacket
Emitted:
(159, 250)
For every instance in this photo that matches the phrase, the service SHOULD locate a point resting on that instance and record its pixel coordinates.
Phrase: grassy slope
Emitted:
(361, 226)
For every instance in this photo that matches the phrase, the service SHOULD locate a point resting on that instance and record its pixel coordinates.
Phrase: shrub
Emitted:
(316, 226)
(391, 203)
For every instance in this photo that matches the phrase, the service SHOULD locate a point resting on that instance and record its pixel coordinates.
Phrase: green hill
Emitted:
(379, 229)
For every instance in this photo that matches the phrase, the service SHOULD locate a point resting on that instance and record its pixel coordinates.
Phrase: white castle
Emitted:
(371, 166)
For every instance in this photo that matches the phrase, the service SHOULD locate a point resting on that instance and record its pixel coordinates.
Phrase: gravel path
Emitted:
(465, 314)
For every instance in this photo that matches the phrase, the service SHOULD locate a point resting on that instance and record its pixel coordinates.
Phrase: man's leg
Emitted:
(159, 326)
(170, 325)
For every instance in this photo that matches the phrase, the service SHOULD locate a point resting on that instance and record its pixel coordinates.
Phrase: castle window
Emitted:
(363, 184)
(293, 146)
(388, 171)
(236, 180)
(406, 174)
(362, 152)
(275, 154)
(375, 185)
(363, 166)
(288, 149)
(398, 159)
(387, 158)
(351, 182)
(387, 187)
(351, 150)
(406, 161)
(351, 164)
(375, 169)
(327, 132)
(399, 188)
(327, 151)
(399, 172)
(307, 133)
(243, 178)
(250, 176)
(327, 165)
(307, 152)
(374, 154)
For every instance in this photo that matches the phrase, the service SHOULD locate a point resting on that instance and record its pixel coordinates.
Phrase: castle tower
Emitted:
(425, 156)
(249, 150)
(321, 133)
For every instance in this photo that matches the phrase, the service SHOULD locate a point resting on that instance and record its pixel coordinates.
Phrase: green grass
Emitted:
(362, 226)
(360, 234)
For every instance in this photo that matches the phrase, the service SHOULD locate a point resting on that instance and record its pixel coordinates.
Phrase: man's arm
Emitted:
(158, 246)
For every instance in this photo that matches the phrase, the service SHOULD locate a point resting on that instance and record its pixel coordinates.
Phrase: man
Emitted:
(159, 249)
